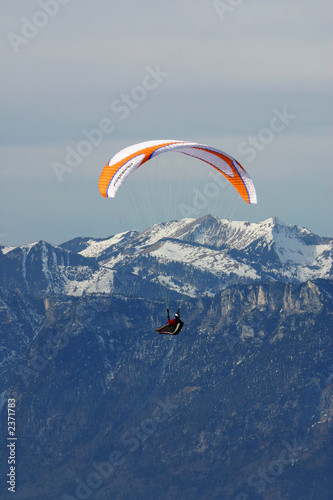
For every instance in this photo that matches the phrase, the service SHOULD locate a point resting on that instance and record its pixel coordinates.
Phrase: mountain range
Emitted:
(190, 257)
(237, 406)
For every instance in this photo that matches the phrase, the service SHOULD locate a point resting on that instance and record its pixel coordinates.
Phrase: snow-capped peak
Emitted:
(189, 256)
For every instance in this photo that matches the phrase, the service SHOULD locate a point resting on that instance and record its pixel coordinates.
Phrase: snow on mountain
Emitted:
(172, 229)
(206, 259)
(41, 267)
(191, 256)
(238, 235)
(234, 250)
(100, 281)
(5, 250)
(96, 247)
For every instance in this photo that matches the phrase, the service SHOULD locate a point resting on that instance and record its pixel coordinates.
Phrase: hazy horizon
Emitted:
(81, 82)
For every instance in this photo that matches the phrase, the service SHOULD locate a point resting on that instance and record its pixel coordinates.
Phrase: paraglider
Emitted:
(129, 159)
(173, 326)
(122, 164)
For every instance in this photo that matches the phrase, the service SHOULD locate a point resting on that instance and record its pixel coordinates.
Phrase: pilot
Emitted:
(175, 320)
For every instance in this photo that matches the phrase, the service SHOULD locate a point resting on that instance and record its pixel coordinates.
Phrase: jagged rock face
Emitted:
(192, 257)
(239, 405)
(20, 320)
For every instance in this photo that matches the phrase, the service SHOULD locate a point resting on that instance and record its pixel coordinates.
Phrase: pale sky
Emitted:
(83, 79)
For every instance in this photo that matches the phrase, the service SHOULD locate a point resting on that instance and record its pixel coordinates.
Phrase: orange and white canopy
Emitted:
(129, 159)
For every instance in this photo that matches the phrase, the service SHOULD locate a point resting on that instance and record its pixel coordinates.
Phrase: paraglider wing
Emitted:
(129, 159)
